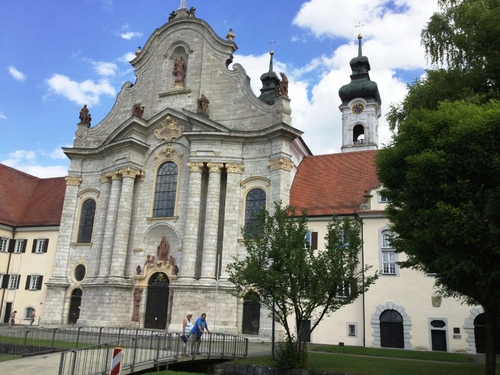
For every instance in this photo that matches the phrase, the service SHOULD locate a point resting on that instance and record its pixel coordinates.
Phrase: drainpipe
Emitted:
(363, 278)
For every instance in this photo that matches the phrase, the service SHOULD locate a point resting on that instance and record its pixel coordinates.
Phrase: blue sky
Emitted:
(58, 55)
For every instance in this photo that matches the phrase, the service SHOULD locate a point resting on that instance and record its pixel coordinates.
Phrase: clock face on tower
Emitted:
(357, 108)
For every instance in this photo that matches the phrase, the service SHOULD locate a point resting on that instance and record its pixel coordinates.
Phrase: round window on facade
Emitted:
(80, 272)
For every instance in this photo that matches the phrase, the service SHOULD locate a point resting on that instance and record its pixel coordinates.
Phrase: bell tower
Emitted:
(361, 107)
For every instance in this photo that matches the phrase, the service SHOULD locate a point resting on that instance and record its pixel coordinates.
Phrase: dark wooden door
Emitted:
(391, 330)
(251, 315)
(157, 303)
(74, 306)
(8, 310)
(438, 337)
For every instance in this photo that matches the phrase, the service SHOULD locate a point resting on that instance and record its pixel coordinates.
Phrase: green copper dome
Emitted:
(360, 85)
(270, 82)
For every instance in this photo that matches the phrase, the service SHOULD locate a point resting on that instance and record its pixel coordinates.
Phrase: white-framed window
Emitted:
(351, 330)
(344, 290)
(311, 240)
(388, 254)
(4, 244)
(383, 199)
(40, 245)
(28, 312)
(20, 246)
(34, 282)
(13, 281)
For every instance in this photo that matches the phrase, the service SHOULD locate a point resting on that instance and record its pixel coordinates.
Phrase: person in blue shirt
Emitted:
(197, 331)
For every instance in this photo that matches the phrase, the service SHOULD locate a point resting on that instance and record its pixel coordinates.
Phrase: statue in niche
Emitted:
(137, 110)
(162, 249)
(137, 304)
(85, 117)
(202, 108)
(179, 71)
(282, 88)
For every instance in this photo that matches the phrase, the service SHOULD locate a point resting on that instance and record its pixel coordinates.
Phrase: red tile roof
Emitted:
(27, 200)
(325, 184)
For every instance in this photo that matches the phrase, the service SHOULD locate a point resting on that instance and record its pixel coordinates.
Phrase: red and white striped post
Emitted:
(116, 361)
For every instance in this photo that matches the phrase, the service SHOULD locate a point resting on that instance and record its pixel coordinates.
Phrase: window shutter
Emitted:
(17, 282)
(12, 244)
(40, 280)
(25, 242)
(28, 279)
(33, 249)
(5, 281)
(314, 240)
(46, 245)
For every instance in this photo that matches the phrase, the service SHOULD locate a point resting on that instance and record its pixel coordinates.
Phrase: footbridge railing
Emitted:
(147, 351)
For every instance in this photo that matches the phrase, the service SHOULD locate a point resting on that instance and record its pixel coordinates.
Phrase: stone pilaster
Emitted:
(280, 181)
(232, 225)
(100, 219)
(122, 232)
(109, 231)
(58, 283)
(208, 266)
(192, 221)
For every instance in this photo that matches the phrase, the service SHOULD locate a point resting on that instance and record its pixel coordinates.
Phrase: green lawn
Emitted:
(358, 360)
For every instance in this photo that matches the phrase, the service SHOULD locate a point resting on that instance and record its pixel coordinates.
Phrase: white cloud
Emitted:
(86, 92)
(2, 115)
(126, 34)
(105, 68)
(28, 161)
(16, 74)
(58, 153)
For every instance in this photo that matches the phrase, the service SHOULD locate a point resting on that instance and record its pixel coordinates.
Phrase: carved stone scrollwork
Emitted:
(195, 167)
(215, 167)
(170, 130)
(281, 163)
(234, 168)
(73, 181)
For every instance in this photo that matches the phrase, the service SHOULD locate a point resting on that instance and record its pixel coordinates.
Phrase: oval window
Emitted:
(79, 272)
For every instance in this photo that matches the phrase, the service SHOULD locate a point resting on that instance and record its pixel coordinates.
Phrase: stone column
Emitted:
(100, 219)
(208, 266)
(192, 221)
(232, 224)
(109, 231)
(120, 243)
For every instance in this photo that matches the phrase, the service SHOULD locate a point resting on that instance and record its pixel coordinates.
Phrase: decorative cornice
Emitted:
(235, 167)
(73, 181)
(215, 167)
(281, 163)
(195, 167)
(170, 130)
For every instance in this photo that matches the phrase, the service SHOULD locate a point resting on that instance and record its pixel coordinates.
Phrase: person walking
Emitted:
(33, 314)
(187, 326)
(197, 331)
(12, 320)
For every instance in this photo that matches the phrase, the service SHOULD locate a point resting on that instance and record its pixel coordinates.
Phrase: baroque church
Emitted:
(158, 191)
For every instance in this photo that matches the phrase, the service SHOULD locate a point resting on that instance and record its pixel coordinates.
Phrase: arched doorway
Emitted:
(74, 306)
(391, 330)
(480, 334)
(157, 303)
(251, 314)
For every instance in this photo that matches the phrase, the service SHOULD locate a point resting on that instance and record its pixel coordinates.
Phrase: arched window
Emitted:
(255, 202)
(166, 190)
(86, 221)
(358, 134)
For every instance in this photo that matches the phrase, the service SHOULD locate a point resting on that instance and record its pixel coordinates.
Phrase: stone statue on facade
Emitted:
(191, 12)
(85, 117)
(162, 249)
(202, 107)
(282, 88)
(137, 304)
(172, 15)
(179, 71)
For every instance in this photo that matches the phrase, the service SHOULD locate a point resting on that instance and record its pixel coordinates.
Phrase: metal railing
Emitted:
(147, 351)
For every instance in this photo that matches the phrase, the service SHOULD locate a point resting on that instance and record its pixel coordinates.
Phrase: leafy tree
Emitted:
(293, 280)
(441, 174)
(465, 35)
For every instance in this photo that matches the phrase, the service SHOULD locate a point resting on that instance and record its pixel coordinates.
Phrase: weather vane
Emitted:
(360, 24)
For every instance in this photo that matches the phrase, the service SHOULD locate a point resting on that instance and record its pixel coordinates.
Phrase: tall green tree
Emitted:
(293, 280)
(441, 174)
